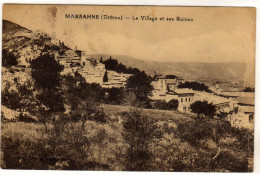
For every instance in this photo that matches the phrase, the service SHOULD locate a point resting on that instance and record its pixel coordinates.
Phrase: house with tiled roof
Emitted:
(184, 96)
(187, 96)
(116, 80)
(244, 116)
(222, 104)
(164, 84)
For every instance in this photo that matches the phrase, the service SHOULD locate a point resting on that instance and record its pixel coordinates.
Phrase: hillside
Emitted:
(25, 44)
(159, 115)
(104, 147)
(9, 27)
(73, 125)
(208, 72)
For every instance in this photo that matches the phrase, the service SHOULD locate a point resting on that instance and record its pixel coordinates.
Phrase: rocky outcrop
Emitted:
(8, 114)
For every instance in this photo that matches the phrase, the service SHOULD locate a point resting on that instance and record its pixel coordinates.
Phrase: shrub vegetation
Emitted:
(195, 86)
(75, 131)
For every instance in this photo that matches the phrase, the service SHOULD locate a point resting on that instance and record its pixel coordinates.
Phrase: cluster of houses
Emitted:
(239, 106)
(72, 59)
(92, 70)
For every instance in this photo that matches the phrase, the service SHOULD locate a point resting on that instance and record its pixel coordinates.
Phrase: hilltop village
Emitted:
(238, 105)
(92, 70)
(67, 109)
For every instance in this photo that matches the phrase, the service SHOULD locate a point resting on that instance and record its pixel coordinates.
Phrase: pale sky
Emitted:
(217, 34)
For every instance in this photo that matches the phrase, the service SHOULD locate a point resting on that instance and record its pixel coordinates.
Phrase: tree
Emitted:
(101, 60)
(115, 95)
(76, 85)
(51, 99)
(222, 114)
(80, 99)
(93, 62)
(203, 108)
(140, 85)
(8, 59)
(129, 98)
(25, 95)
(170, 76)
(249, 89)
(121, 68)
(46, 76)
(195, 86)
(193, 132)
(105, 78)
(24, 99)
(111, 64)
(135, 71)
(9, 97)
(21, 98)
(139, 132)
(161, 105)
(85, 110)
(173, 104)
(46, 72)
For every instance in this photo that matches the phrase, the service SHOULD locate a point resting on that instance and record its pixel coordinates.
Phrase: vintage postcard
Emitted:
(128, 88)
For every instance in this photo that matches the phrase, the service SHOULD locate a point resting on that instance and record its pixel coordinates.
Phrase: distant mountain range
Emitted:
(208, 72)
(19, 38)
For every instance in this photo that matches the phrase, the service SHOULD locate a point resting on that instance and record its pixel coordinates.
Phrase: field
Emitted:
(102, 146)
(160, 115)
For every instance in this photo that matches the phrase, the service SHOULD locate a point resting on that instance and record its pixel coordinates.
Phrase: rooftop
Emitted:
(182, 91)
(246, 100)
(247, 109)
(239, 94)
(224, 87)
(211, 98)
(171, 81)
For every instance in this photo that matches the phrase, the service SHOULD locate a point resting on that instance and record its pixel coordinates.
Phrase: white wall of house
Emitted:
(158, 95)
(222, 104)
(223, 107)
(185, 98)
(185, 102)
(115, 79)
(162, 84)
(242, 120)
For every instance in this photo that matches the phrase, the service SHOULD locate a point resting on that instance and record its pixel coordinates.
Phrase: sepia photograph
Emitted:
(128, 88)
